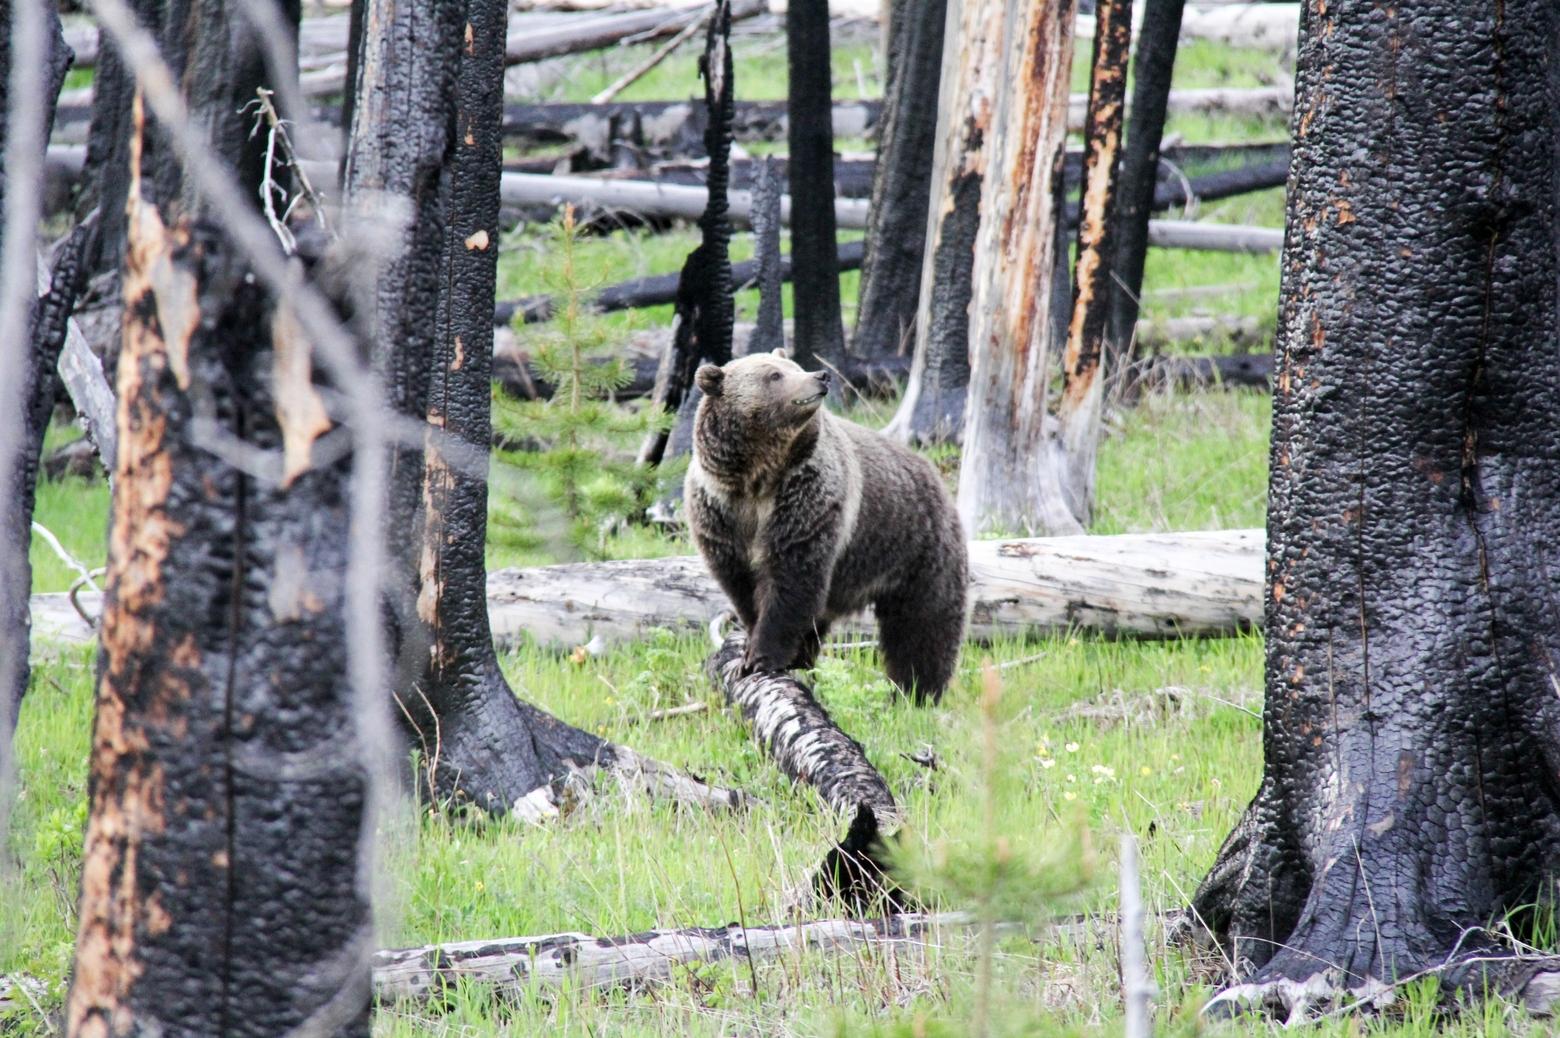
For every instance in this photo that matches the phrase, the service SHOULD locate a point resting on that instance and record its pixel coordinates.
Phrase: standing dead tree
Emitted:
(820, 332)
(1411, 729)
(428, 310)
(890, 292)
(27, 330)
(224, 740)
(1006, 480)
(703, 306)
(1077, 433)
(1152, 69)
(932, 409)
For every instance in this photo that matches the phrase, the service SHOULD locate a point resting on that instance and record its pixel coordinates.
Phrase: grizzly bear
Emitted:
(804, 517)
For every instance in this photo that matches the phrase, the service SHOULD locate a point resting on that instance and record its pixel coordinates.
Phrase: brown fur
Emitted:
(804, 517)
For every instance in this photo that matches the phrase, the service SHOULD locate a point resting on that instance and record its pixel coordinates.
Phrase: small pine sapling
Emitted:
(577, 447)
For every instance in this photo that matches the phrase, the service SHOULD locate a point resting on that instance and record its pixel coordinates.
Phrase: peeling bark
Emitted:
(220, 882)
(932, 410)
(1152, 70)
(1409, 792)
(1077, 434)
(1003, 483)
(890, 291)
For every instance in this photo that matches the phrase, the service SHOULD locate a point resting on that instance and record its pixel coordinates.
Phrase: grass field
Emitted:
(1096, 737)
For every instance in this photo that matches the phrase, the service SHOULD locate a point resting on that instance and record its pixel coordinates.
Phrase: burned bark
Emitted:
(1408, 794)
(481, 743)
(932, 410)
(426, 133)
(220, 884)
(820, 331)
(34, 350)
(704, 312)
(890, 292)
(1077, 431)
(1003, 482)
(1152, 70)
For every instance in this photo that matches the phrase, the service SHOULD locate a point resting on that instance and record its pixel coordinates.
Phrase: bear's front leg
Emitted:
(793, 590)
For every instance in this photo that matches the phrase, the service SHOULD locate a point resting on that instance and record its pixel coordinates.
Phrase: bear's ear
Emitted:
(783, 352)
(710, 379)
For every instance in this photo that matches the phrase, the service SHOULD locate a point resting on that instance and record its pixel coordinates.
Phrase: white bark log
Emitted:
(798, 734)
(1146, 585)
(517, 963)
(652, 199)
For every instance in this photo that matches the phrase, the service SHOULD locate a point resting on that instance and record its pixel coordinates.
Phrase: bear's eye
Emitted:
(774, 376)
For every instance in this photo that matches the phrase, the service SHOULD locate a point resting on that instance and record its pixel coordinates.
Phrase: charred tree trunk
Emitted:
(1077, 434)
(1003, 481)
(430, 313)
(1152, 70)
(220, 889)
(932, 410)
(26, 327)
(1409, 793)
(704, 311)
(890, 291)
(820, 332)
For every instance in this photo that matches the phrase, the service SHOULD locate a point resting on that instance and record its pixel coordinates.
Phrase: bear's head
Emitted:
(756, 410)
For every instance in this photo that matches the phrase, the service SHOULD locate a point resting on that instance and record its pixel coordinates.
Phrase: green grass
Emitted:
(1095, 737)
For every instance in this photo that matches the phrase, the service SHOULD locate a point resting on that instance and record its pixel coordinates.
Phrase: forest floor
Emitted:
(1097, 737)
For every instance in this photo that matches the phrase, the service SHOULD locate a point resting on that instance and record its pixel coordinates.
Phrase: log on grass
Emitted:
(1158, 585)
(519, 963)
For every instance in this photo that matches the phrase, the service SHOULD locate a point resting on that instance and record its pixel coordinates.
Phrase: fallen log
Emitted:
(676, 126)
(1249, 370)
(518, 963)
(877, 377)
(651, 199)
(527, 41)
(1152, 585)
(799, 736)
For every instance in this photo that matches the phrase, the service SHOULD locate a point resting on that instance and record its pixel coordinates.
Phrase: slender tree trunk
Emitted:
(220, 889)
(932, 409)
(1003, 483)
(1083, 362)
(890, 291)
(820, 331)
(1152, 70)
(1412, 732)
(30, 397)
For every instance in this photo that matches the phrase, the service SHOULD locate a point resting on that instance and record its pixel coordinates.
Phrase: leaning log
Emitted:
(799, 736)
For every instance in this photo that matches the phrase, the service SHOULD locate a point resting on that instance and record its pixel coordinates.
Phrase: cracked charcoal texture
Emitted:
(1411, 787)
(902, 182)
(42, 353)
(493, 748)
(219, 890)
